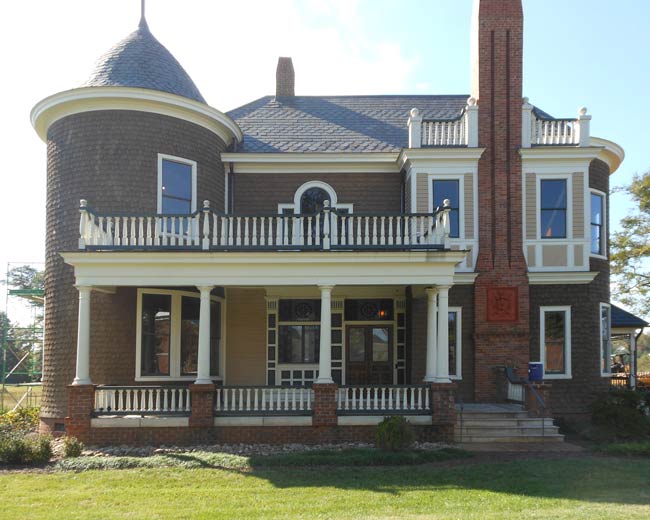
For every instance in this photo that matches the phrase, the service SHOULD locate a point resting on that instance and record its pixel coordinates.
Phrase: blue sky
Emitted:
(591, 53)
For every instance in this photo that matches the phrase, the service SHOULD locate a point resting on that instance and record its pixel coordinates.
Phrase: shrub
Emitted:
(623, 414)
(72, 447)
(23, 420)
(19, 449)
(394, 434)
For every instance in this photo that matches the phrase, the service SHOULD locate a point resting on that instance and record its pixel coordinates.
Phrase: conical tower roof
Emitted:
(140, 60)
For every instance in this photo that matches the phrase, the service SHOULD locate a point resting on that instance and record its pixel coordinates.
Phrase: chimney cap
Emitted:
(285, 78)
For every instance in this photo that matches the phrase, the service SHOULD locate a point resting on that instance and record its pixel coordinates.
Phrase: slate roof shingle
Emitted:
(338, 123)
(140, 60)
(623, 319)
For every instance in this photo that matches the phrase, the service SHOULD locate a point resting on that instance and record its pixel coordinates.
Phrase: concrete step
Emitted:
(528, 421)
(523, 439)
(492, 416)
(508, 431)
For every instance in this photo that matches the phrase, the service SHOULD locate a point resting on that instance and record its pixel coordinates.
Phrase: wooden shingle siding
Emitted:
(422, 193)
(261, 193)
(245, 337)
(531, 207)
(469, 205)
(578, 205)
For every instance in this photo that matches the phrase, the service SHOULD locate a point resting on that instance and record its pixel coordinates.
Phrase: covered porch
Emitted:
(283, 339)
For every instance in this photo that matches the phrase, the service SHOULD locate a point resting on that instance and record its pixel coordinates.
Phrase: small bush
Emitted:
(623, 414)
(23, 420)
(19, 449)
(630, 449)
(394, 434)
(72, 447)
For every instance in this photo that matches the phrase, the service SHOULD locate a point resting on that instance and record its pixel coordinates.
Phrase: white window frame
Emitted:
(569, 204)
(175, 337)
(603, 229)
(461, 198)
(164, 157)
(602, 306)
(567, 340)
(459, 343)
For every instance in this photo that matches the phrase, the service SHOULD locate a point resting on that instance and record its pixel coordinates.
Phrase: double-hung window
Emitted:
(555, 341)
(605, 339)
(299, 331)
(448, 189)
(553, 208)
(455, 344)
(168, 334)
(597, 224)
(176, 185)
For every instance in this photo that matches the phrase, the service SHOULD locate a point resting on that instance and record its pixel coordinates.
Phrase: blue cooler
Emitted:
(535, 371)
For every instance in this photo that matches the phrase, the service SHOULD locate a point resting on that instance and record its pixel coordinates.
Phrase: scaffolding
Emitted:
(21, 345)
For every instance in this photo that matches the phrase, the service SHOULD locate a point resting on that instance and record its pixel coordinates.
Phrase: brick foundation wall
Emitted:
(109, 158)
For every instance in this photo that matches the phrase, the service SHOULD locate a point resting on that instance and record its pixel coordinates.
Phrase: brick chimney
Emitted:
(501, 292)
(285, 78)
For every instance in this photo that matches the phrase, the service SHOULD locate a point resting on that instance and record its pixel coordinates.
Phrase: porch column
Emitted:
(633, 360)
(325, 362)
(442, 365)
(430, 374)
(203, 362)
(82, 376)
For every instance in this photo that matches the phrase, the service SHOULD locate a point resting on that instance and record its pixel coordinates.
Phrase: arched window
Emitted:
(313, 200)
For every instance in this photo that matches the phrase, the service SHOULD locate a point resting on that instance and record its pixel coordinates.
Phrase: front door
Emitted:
(369, 355)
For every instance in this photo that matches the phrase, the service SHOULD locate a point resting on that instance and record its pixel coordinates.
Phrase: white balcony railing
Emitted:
(554, 132)
(462, 131)
(209, 230)
(124, 400)
(263, 400)
(383, 399)
(444, 133)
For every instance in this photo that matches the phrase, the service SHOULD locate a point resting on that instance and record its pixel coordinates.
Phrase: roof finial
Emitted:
(143, 20)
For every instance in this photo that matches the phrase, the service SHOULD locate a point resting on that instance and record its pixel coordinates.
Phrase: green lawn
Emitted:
(588, 488)
(12, 394)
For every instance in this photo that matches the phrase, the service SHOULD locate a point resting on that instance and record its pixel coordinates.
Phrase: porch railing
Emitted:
(329, 229)
(383, 400)
(125, 400)
(263, 400)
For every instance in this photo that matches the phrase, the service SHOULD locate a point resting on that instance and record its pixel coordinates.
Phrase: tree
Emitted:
(630, 250)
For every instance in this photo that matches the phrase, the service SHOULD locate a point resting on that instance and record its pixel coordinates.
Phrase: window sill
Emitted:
(557, 376)
(600, 257)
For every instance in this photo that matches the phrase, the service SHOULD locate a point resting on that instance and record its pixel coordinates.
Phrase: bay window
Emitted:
(553, 208)
(597, 223)
(448, 189)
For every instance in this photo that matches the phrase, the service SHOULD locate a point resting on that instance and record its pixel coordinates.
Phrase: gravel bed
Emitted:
(235, 449)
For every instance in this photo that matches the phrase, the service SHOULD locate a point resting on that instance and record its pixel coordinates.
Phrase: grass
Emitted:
(199, 459)
(631, 449)
(581, 488)
(12, 394)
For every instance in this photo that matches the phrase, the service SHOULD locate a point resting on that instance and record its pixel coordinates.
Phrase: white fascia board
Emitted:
(537, 158)
(561, 278)
(372, 162)
(612, 153)
(264, 268)
(90, 99)
(465, 278)
(428, 157)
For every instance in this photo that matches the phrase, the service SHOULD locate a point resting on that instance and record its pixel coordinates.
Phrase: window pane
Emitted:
(595, 240)
(369, 310)
(215, 337)
(176, 179)
(313, 200)
(176, 206)
(299, 343)
(190, 308)
(596, 209)
(380, 345)
(553, 194)
(156, 323)
(357, 344)
(553, 223)
(605, 348)
(554, 340)
(452, 343)
(299, 310)
(311, 334)
(448, 190)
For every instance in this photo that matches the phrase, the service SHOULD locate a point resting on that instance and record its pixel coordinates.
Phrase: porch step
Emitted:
(503, 424)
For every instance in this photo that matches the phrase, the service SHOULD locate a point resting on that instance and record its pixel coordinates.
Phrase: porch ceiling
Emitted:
(266, 268)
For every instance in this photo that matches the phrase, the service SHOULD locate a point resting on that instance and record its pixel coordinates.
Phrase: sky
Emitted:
(591, 53)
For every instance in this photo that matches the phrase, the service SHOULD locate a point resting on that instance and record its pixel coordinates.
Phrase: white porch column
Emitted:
(203, 362)
(432, 335)
(325, 360)
(442, 365)
(82, 376)
(633, 360)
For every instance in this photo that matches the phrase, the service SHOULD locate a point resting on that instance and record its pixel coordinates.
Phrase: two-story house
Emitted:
(300, 267)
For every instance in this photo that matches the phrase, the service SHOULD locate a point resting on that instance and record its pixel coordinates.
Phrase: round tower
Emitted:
(106, 142)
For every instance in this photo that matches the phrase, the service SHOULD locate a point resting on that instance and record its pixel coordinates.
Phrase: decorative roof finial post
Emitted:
(143, 20)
